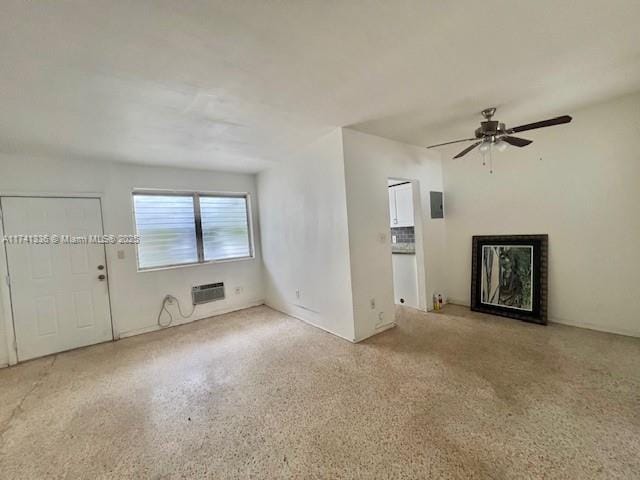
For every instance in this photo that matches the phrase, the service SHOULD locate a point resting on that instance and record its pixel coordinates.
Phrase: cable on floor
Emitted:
(164, 308)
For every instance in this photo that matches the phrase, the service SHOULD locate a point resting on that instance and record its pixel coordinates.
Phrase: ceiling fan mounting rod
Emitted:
(488, 112)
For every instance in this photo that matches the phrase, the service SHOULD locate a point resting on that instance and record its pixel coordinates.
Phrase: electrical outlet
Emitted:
(238, 290)
(373, 303)
(298, 294)
(120, 254)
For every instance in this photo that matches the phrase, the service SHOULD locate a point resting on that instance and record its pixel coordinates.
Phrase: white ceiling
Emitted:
(235, 85)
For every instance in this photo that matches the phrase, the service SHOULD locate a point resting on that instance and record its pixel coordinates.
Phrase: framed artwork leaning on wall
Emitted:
(509, 276)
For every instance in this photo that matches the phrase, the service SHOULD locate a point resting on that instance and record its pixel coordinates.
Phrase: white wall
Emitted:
(4, 349)
(369, 162)
(580, 183)
(136, 297)
(325, 224)
(305, 242)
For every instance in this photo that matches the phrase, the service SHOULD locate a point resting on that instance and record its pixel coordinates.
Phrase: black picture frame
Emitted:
(537, 311)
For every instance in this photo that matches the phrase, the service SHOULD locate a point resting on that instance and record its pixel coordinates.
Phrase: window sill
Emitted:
(195, 264)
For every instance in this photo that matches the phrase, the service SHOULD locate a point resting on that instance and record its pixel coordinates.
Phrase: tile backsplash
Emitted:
(404, 234)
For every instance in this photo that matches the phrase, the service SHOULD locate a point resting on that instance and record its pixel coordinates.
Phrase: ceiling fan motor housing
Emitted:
(490, 128)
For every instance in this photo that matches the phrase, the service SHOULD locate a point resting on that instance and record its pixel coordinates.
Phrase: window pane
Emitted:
(225, 230)
(167, 230)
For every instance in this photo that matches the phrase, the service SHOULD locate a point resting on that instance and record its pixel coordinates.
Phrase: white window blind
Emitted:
(179, 229)
(167, 229)
(225, 227)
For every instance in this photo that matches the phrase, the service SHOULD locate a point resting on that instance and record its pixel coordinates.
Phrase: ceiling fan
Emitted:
(491, 132)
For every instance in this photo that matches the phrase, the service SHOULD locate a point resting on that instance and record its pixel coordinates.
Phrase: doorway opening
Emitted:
(407, 253)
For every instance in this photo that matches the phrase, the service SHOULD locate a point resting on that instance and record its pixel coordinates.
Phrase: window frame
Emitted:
(198, 224)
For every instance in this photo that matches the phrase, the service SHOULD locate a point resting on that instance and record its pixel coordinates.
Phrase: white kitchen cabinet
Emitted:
(392, 207)
(404, 205)
(401, 205)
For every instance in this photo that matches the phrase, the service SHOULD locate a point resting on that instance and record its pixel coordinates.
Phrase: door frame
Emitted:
(5, 289)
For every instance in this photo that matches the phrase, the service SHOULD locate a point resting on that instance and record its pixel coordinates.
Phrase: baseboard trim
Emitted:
(289, 312)
(380, 329)
(460, 303)
(569, 323)
(596, 328)
(154, 328)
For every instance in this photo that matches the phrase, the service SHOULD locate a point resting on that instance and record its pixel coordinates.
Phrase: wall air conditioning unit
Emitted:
(207, 293)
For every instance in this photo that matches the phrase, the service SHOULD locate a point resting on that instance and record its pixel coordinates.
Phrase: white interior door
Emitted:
(58, 298)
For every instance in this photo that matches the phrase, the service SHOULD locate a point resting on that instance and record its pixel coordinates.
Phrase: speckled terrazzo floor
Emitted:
(257, 394)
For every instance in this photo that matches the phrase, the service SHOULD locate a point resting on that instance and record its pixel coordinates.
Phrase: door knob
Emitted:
(100, 267)
(101, 277)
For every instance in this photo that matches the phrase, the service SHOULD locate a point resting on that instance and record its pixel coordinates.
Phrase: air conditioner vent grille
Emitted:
(207, 293)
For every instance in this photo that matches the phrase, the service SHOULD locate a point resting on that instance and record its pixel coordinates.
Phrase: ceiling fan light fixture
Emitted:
(501, 145)
(485, 147)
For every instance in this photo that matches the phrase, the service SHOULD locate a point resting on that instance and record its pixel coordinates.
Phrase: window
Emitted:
(190, 228)
(225, 230)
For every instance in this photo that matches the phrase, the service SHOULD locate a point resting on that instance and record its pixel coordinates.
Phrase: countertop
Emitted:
(403, 248)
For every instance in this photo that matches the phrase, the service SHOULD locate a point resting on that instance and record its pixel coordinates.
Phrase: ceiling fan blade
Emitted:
(515, 141)
(467, 150)
(544, 123)
(454, 141)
